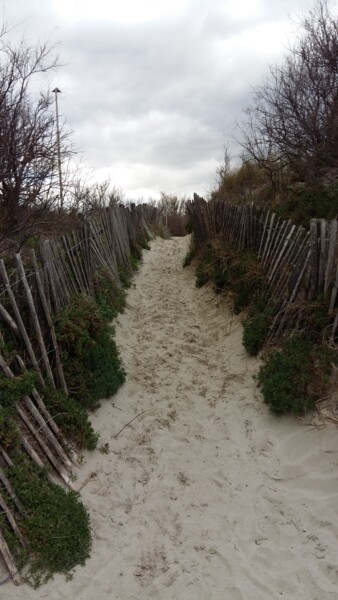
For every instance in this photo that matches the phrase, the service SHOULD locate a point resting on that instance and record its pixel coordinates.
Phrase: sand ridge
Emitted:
(204, 495)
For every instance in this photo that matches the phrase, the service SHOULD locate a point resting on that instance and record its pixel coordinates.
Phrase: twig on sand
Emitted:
(118, 433)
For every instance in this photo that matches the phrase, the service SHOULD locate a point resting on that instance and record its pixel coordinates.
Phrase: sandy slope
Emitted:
(204, 495)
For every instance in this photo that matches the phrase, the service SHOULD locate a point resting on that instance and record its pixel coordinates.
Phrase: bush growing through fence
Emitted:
(304, 202)
(256, 327)
(191, 254)
(9, 433)
(55, 524)
(229, 270)
(110, 300)
(293, 377)
(88, 352)
(71, 417)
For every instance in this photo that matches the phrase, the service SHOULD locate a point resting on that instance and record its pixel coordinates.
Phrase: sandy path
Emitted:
(205, 495)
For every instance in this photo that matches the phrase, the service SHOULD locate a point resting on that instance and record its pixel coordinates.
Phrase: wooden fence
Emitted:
(299, 264)
(33, 288)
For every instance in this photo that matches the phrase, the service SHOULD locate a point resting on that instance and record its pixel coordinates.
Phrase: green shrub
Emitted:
(77, 327)
(191, 254)
(144, 242)
(242, 297)
(104, 364)
(55, 523)
(205, 266)
(9, 433)
(134, 262)
(109, 299)
(307, 201)
(125, 278)
(188, 227)
(255, 331)
(314, 317)
(12, 390)
(285, 377)
(71, 417)
(229, 270)
(89, 355)
(256, 326)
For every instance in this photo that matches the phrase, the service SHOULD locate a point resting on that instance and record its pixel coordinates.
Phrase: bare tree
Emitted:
(173, 209)
(293, 121)
(86, 199)
(27, 136)
(170, 204)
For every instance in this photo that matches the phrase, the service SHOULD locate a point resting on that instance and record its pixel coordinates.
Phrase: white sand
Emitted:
(205, 495)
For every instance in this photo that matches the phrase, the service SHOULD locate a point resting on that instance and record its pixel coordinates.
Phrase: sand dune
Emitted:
(205, 495)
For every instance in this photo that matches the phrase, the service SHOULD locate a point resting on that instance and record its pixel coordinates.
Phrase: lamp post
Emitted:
(56, 92)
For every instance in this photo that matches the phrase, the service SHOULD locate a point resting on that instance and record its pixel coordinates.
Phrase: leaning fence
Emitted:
(34, 286)
(299, 264)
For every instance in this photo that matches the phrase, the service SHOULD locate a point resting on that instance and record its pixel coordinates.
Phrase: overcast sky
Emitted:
(152, 88)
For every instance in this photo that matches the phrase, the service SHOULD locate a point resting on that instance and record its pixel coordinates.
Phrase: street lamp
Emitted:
(56, 91)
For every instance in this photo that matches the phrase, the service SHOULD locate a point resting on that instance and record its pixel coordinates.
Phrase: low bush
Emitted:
(256, 325)
(293, 377)
(191, 254)
(134, 263)
(89, 354)
(55, 524)
(9, 433)
(285, 376)
(206, 265)
(304, 202)
(71, 417)
(144, 242)
(255, 331)
(229, 270)
(314, 317)
(109, 299)
(105, 367)
(12, 390)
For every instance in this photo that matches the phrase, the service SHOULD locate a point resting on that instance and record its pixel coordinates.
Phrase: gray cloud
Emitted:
(153, 103)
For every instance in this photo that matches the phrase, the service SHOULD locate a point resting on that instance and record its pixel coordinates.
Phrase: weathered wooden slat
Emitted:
(64, 283)
(322, 253)
(9, 561)
(268, 236)
(314, 257)
(43, 426)
(261, 246)
(332, 250)
(9, 489)
(79, 258)
(44, 446)
(8, 319)
(27, 446)
(49, 271)
(270, 246)
(49, 319)
(334, 292)
(49, 420)
(278, 251)
(20, 322)
(72, 263)
(6, 457)
(334, 329)
(35, 320)
(11, 519)
(41, 422)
